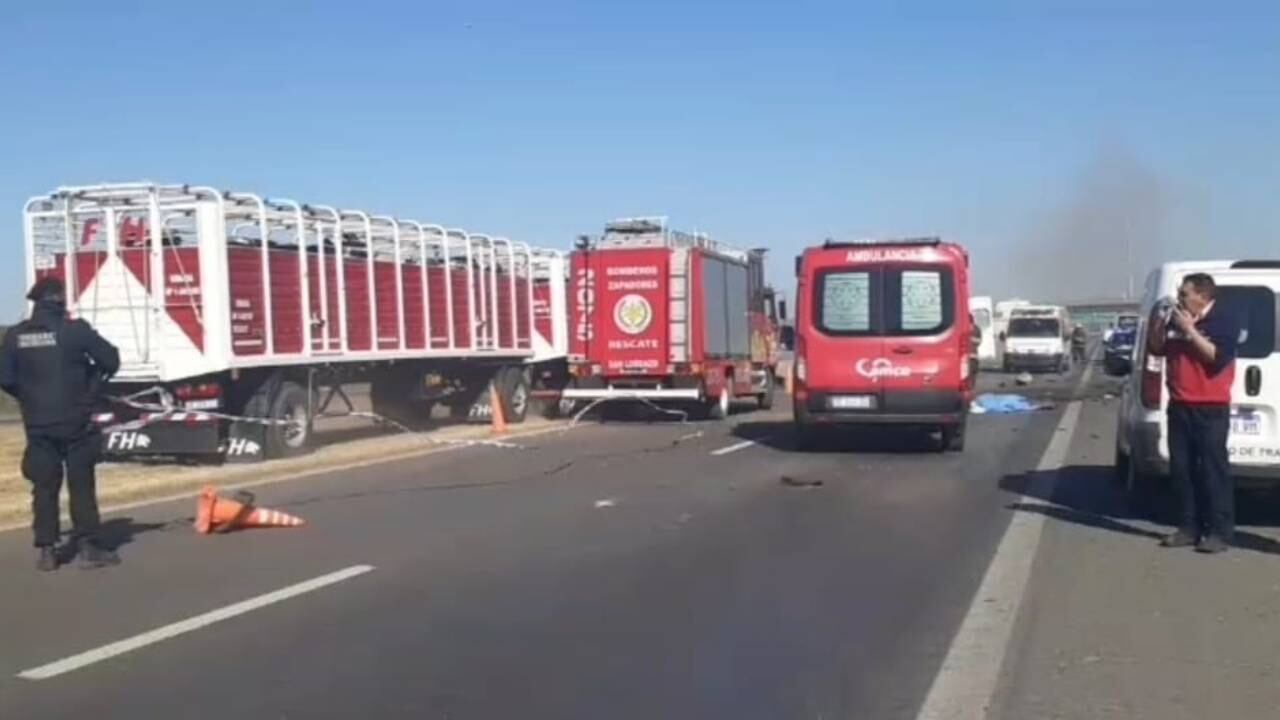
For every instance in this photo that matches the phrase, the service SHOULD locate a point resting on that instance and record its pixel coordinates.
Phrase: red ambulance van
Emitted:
(883, 337)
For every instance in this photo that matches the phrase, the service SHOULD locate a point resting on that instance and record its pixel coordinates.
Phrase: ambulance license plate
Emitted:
(852, 402)
(1242, 424)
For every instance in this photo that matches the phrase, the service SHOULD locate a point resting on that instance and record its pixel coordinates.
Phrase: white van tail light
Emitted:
(1152, 382)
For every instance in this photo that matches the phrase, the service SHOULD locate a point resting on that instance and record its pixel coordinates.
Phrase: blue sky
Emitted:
(1042, 137)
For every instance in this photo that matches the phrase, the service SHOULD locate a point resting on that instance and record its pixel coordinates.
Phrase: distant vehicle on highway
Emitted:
(883, 337)
(1123, 321)
(983, 311)
(1038, 338)
(1002, 310)
(1250, 290)
(1117, 351)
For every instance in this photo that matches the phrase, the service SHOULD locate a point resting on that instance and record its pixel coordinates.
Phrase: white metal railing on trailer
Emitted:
(165, 249)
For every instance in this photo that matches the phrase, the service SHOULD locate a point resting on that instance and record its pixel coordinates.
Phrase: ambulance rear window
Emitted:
(845, 302)
(885, 301)
(919, 301)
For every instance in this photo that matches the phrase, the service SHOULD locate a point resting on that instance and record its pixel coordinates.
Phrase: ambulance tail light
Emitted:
(801, 362)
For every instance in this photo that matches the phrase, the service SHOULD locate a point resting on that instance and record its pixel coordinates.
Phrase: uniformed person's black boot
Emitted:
(47, 559)
(93, 557)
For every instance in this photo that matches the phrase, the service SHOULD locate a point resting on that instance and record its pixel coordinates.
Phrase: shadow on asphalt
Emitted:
(781, 435)
(1088, 495)
(118, 532)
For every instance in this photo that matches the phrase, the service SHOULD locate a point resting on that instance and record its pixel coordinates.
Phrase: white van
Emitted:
(1250, 290)
(984, 319)
(1003, 308)
(1038, 337)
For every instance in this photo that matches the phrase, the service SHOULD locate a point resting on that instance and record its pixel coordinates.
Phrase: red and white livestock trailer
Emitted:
(232, 305)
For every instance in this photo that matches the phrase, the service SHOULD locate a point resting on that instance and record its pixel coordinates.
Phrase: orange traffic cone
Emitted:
(499, 419)
(219, 514)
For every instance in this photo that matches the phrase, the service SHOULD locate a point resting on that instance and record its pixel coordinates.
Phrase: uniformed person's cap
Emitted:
(46, 288)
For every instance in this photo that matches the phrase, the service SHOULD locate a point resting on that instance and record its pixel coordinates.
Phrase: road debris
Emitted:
(606, 503)
(1023, 378)
(800, 482)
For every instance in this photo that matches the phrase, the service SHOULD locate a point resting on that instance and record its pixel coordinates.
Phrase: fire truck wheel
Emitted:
(289, 404)
(718, 409)
(513, 393)
(766, 398)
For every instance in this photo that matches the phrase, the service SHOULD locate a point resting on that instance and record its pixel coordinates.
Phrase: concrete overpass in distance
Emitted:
(1099, 313)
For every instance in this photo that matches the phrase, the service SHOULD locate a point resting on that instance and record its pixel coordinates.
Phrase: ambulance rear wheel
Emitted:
(953, 438)
(291, 430)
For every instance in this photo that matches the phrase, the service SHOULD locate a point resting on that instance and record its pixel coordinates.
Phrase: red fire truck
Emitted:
(239, 318)
(673, 317)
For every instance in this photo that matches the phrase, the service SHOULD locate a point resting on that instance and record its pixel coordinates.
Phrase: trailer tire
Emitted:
(766, 398)
(393, 397)
(513, 393)
(288, 402)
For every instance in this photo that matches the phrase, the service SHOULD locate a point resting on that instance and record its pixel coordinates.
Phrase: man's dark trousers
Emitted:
(46, 455)
(1200, 470)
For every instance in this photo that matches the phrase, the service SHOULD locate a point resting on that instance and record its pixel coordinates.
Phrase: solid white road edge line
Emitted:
(965, 685)
(106, 652)
(734, 447)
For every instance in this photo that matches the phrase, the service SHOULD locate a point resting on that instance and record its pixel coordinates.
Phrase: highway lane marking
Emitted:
(735, 447)
(106, 652)
(965, 685)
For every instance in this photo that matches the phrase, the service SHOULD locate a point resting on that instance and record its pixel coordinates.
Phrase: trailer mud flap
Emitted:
(246, 442)
(161, 438)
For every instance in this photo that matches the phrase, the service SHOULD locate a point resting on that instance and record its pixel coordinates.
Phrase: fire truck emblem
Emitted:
(632, 314)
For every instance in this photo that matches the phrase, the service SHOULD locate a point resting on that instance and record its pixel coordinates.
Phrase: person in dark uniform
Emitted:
(1079, 343)
(55, 367)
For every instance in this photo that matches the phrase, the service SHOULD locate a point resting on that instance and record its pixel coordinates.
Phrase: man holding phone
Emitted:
(1198, 340)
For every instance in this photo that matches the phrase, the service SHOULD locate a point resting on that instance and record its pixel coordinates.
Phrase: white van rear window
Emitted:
(1255, 309)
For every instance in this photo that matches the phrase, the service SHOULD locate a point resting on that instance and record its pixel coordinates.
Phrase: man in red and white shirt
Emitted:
(1198, 340)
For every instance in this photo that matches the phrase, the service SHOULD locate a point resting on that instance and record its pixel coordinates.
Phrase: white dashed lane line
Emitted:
(735, 447)
(106, 652)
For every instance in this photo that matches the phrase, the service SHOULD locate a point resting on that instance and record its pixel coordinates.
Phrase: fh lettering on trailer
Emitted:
(128, 440)
(240, 447)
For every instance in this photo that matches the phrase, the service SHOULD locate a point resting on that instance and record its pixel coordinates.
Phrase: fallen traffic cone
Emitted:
(499, 419)
(219, 514)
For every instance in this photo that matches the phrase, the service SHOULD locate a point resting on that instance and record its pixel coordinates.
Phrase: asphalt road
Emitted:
(623, 570)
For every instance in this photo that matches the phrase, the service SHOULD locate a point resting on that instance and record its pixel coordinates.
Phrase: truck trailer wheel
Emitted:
(396, 396)
(513, 393)
(288, 403)
(766, 398)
